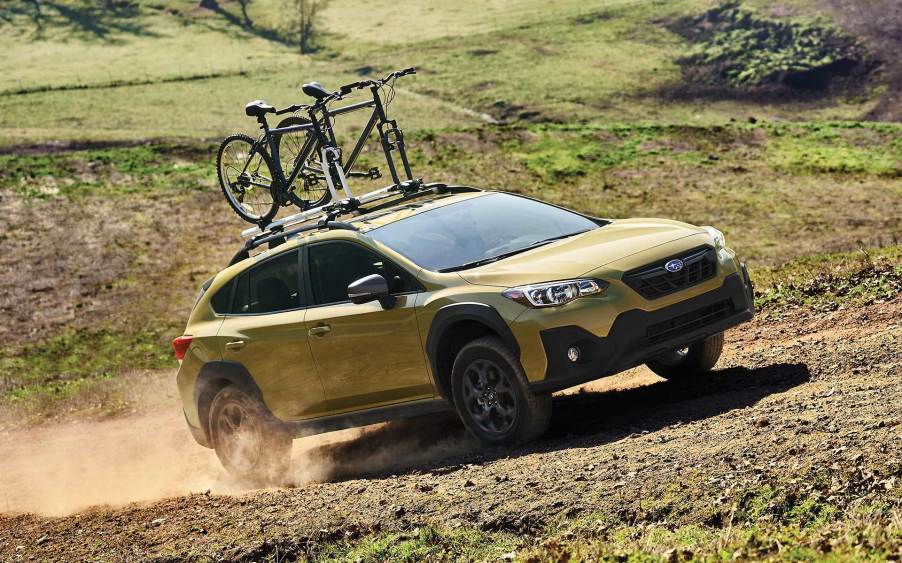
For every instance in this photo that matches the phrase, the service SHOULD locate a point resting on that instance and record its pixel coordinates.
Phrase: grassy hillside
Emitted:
(111, 218)
(172, 69)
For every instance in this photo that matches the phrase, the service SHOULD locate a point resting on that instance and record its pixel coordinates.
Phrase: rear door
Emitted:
(265, 331)
(366, 355)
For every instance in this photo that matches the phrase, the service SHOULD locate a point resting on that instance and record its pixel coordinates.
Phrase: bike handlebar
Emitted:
(348, 88)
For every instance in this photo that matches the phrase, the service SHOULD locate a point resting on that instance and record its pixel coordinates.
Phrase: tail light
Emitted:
(180, 346)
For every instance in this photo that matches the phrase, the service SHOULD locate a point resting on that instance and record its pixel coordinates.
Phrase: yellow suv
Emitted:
(451, 298)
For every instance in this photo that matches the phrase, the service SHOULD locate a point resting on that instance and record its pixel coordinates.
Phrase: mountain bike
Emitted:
(251, 172)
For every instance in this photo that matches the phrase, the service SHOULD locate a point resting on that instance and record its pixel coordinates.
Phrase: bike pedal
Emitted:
(374, 173)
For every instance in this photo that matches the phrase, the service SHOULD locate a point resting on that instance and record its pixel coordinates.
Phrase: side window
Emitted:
(335, 265)
(222, 298)
(269, 287)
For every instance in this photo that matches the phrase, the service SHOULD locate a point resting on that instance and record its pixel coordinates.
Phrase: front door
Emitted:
(366, 355)
(265, 332)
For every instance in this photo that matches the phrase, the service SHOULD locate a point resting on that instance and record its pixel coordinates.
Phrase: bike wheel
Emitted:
(307, 191)
(246, 178)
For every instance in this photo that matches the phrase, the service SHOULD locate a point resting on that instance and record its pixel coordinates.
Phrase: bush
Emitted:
(738, 47)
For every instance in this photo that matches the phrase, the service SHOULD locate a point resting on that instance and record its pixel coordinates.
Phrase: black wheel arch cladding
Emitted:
(475, 320)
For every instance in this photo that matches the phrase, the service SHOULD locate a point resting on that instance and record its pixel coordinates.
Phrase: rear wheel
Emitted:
(247, 441)
(307, 191)
(246, 178)
(695, 359)
(492, 396)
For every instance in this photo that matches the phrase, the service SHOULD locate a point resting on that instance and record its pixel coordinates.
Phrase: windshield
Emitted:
(478, 230)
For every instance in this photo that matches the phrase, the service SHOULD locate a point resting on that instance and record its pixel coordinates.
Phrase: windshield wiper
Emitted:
(484, 261)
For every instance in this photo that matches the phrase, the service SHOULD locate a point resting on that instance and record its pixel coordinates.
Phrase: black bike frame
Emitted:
(390, 136)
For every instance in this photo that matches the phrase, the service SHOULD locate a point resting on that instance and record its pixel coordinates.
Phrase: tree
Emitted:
(307, 11)
(247, 19)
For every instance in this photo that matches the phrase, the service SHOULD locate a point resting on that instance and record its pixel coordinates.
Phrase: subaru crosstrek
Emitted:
(478, 301)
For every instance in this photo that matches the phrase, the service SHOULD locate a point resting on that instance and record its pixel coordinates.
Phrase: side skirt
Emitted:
(363, 418)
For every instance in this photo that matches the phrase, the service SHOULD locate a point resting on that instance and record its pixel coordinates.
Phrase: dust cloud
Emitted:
(62, 468)
(59, 469)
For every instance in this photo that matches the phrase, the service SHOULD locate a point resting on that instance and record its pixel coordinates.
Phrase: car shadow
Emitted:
(440, 444)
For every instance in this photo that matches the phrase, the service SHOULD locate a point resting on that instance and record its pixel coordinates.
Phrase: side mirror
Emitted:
(371, 288)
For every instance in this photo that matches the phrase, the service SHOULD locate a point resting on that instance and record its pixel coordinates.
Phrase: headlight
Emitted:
(554, 293)
(717, 237)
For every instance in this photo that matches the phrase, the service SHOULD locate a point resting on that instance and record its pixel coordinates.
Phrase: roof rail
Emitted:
(274, 239)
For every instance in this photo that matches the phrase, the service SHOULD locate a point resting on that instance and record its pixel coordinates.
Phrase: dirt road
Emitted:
(802, 397)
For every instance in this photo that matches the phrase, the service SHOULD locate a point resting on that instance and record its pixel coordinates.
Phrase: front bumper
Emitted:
(637, 336)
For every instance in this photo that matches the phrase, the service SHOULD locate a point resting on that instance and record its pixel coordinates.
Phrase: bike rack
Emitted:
(392, 140)
(338, 207)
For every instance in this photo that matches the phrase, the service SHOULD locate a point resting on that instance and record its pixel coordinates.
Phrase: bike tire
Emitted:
(228, 162)
(289, 147)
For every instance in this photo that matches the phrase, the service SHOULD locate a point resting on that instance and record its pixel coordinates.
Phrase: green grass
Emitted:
(108, 172)
(151, 40)
(168, 69)
(62, 366)
(828, 281)
(867, 148)
(424, 543)
(768, 524)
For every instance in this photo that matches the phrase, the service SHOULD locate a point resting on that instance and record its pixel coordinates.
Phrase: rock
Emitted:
(41, 540)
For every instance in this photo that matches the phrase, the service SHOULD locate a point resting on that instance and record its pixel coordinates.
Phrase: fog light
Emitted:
(573, 353)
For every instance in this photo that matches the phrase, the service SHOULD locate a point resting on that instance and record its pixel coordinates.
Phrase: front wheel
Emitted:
(247, 442)
(492, 396)
(246, 178)
(308, 190)
(693, 360)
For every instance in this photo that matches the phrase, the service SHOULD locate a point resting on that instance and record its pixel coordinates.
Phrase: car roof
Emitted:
(380, 218)
(363, 223)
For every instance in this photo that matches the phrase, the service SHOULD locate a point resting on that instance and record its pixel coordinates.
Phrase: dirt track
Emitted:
(802, 398)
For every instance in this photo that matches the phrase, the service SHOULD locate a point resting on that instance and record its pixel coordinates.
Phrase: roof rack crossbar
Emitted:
(336, 208)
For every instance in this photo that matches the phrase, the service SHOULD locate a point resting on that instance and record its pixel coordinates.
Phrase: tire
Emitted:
(492, 396)
(234, 178)
(289, 146)
(247, 441)
(696, 359)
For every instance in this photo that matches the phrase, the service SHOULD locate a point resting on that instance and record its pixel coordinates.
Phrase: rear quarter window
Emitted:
(222, 299)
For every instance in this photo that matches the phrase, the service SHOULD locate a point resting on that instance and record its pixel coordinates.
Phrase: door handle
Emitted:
(320, 330)
(235, 345)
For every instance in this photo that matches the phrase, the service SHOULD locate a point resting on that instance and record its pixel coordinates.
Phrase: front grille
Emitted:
(655, 281)
(687, 322)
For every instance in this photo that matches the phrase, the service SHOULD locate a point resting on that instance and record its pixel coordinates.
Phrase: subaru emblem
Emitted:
(674, 265)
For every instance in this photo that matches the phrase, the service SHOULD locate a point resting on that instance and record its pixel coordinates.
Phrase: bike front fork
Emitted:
(393, 139)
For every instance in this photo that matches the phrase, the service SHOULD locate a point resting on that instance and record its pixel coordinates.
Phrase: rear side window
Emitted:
(335, 265)
(266, 288)
(222, 298)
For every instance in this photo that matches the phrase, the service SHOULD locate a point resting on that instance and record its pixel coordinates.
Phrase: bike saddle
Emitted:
(258, 108)
(315, 90)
